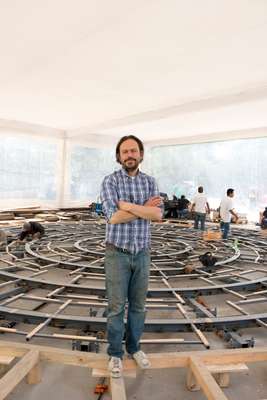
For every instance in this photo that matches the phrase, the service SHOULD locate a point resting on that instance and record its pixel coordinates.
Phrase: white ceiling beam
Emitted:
(26, 128)
(210, 137)
(83, 135)
(249, 94)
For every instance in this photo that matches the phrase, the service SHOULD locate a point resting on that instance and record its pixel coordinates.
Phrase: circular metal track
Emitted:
(60, 282)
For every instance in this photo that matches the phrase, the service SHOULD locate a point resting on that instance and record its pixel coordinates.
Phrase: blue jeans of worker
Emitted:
(225, 227)
(127, 277)
(200, 217)
(182, 213)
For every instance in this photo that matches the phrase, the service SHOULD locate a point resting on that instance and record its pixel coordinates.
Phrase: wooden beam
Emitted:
(195, 329)
(6, 360)
(39, 327)
(117, 389)
(206, 380)
(220, 372)
(162, 360)
(18, 372)
(178, 297)
(104, 373)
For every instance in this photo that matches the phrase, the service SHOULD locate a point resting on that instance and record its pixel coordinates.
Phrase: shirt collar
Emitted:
(126, 174)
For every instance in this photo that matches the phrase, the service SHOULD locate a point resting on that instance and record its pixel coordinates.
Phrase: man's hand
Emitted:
(235, 219)
(153, 202)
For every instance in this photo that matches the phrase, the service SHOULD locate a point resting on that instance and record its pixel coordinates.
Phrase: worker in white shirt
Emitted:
(200, 206)
(226, 212)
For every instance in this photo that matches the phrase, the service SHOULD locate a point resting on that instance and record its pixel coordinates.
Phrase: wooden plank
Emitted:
(104, 373)
(208, 384)
(201, 336)
(10, 300)
(7, 330)
(213, 368)
(197, 331)
(6, 360)
(237, 307)
(223, 379)
(76, 337)
(178, 297)
(117, 389)
(11, 379)
(162, 360)
(261, 323)
(222, 372)
(39, 327)
(221, 375)
(234, 293)
(162, 341)
(191, 382)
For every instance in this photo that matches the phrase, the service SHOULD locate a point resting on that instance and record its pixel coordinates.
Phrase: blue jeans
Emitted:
(200, 217)
(182, 213)
(127, 276)
(225, 227)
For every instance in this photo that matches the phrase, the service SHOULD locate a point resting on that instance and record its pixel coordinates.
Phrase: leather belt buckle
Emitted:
(120, 249)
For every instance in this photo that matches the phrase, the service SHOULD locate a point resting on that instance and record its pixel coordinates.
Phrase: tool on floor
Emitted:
(101, 388)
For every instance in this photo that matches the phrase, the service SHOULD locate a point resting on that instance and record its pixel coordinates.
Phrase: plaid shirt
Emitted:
(135, 235)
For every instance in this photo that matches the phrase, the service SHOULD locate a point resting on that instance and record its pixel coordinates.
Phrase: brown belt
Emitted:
(113, 247)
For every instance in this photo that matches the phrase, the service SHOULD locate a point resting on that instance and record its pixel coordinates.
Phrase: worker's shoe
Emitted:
(141, 359)
(115, 367)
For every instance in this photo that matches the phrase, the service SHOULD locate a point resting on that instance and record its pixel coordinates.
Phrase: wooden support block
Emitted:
(217, 368)
(3, 369)
(5, 361)
(13, 377)
(221, 372)
(104, 373)
(35, 375)
(191, 382)
(223, 379)
(204, 378)
(221, 375)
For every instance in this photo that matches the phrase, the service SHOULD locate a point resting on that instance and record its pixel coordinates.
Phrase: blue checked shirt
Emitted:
(135, 235)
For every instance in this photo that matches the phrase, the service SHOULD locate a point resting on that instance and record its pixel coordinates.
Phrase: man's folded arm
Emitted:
(121, 217)
(109, 199)
(121, 212)
(153, 213)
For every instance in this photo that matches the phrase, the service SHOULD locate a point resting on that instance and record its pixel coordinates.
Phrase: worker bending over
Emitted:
(31, 229)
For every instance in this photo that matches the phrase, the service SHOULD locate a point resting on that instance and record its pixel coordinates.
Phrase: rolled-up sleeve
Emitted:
(109, 197)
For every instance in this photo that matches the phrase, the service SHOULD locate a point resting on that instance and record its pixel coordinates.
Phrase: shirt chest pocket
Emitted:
(140, 193)
(140, 197)
(133, 194)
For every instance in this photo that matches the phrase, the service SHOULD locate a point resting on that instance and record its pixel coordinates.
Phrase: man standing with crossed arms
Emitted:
(130, 200)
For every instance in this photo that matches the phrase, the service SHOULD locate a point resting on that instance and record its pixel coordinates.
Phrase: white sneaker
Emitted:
(141, 359)
(115, 367)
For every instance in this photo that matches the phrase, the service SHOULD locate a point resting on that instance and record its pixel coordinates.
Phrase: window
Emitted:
(27, 168)
(240, 164)
(88, 167)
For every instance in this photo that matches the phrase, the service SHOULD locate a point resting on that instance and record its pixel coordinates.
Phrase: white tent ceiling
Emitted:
(159, 69)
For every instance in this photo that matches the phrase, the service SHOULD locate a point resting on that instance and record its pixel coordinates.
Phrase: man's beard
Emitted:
(133, 166)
